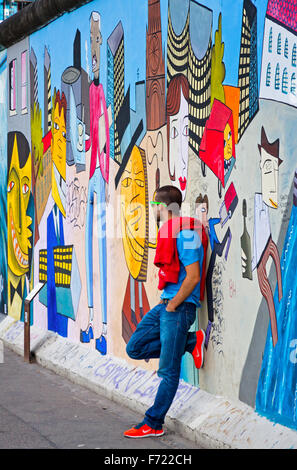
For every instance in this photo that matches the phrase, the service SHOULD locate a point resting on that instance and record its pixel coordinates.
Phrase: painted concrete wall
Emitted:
(109, 102)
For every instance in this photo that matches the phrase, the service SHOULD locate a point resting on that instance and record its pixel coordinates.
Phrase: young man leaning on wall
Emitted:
(164, 330)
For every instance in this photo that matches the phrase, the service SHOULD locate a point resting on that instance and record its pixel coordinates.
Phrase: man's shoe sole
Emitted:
(202, 349)
(145, 435)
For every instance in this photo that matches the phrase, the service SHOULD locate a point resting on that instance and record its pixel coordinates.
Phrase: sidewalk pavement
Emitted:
(43, 410)
(209, 421)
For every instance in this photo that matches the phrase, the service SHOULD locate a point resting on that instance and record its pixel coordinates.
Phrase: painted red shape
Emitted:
(211, 149)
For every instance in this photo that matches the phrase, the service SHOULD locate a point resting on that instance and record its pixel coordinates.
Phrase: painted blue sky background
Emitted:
(58, 36)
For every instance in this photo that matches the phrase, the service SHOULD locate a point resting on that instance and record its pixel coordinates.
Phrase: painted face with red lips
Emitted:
(179, 141)
(178, 132)
(18, 194)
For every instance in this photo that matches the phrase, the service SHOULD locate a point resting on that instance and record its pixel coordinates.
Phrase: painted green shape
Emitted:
(218, 70)
(36, 137)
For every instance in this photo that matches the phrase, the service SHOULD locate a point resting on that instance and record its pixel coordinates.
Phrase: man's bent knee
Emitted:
(131, 351)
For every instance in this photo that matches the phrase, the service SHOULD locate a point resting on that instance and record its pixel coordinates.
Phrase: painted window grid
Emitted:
(270, 40)
(279, 43)
(294, 55)
(286, 49)
(277, 77)
(285, 81)
(293, 84)
(24, 82)
(268, 74)
(13, 87)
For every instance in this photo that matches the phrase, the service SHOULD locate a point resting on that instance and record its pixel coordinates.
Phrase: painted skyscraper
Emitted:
(33, 78)
(47, 93)
(115, 85)
(155, 69)
(189, 53)
(248, 67)
(199, 71)
(178, 38)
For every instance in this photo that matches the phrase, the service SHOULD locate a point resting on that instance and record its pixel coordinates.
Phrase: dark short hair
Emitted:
(23, 148)
(60, 99)
(202, 199)
(171, 195)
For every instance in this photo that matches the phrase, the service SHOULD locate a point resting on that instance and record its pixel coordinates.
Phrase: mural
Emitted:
(264, 246)
(205, 102)
(3, 188)
(276, 393)
(19, 234)
(99, 144)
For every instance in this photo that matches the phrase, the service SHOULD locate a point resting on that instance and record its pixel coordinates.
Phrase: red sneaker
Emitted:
(143, 431)
(198, 351)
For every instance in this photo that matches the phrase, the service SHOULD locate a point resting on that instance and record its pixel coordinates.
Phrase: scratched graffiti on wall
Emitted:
(206, 103)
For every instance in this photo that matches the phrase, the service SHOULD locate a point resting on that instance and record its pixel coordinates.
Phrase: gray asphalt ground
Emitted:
(42, 410)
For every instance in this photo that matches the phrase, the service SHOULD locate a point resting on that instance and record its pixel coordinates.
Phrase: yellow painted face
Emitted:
(134, 212)
(58, 149)
(18, 222)
(228, 142)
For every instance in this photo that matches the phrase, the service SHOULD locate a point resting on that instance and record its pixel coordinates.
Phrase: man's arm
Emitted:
(189, 283)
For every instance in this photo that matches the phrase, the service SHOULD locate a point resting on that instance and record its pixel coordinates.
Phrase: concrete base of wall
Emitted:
(209, 421)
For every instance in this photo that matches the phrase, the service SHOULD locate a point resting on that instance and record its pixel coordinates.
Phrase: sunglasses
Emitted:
(156, 203)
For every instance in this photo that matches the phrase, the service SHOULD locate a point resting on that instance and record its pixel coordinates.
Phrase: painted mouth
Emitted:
(21, 257)
(274, 204)
(61, 185)
(182, 183)
(136, 249)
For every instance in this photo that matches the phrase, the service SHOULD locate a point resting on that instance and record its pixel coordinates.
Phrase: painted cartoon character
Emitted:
(276, 390)
(178, 131)
(134, 222)
(264, 246)
(58, 268)
(217, 249)
(99, 143)
(217, 149)
(55, 231)
(19, 234)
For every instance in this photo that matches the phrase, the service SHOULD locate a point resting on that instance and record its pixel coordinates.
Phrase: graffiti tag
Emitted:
(76, 203)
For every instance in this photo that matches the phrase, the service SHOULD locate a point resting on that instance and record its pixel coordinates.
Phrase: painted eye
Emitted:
(268, 165)
(56, 126)
(10, 186)
(186, 131)
(139, 183)
(229, 135)
(126, 182)
(64, 135)
(174, 133)
(225, 143)
(25, 188)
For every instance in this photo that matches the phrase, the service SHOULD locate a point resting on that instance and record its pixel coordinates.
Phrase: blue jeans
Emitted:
(164, 335)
